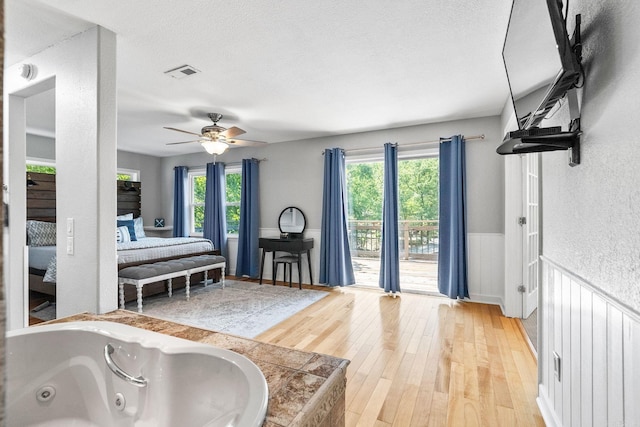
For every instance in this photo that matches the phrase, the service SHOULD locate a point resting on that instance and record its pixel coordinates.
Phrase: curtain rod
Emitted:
(226, 164)
(413, 144)
(240, 163)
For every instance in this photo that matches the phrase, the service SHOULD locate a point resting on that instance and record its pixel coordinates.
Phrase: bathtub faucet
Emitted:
(136, 381)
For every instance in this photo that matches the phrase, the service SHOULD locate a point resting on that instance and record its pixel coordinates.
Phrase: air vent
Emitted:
(182, 71)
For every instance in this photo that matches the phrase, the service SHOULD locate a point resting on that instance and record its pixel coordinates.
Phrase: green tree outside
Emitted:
(234, 189)
(233, 193)
(418, 189)
(41, 169)
(199, 188)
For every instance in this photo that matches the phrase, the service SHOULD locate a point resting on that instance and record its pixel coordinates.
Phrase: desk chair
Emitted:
(287, 260)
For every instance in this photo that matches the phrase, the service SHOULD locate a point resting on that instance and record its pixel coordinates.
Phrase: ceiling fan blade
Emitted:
(183, 131)
(232, 131)
(183, 142)
(245, 143)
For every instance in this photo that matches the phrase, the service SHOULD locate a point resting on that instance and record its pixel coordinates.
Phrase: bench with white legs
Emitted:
(140, 275)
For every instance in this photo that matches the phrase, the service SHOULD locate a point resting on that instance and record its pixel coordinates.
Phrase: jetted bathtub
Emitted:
(82, 374)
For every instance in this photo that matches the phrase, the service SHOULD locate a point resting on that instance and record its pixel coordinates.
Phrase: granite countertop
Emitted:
(305, 389)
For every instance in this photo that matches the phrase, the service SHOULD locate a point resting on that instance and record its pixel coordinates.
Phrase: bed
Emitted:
(41, 238)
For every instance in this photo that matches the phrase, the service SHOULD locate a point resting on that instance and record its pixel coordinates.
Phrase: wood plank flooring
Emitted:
(418, 360)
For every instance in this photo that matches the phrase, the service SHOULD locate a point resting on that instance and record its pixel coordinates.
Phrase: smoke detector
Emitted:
(182, 72)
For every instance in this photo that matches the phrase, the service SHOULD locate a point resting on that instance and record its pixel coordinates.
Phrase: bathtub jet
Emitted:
(108, 374)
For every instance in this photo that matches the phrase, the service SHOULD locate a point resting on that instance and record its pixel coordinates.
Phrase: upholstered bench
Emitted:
(140, 275)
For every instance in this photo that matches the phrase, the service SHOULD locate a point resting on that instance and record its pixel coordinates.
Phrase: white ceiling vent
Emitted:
(182, 71)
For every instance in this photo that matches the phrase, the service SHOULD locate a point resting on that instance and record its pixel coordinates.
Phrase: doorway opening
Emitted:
(418, 181)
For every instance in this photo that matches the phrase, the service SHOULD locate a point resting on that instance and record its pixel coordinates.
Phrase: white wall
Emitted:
(293, 175)
(86, 161)
(590, 212)
(591, 234)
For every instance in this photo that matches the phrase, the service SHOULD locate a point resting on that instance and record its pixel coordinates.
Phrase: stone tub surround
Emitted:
(305, 389)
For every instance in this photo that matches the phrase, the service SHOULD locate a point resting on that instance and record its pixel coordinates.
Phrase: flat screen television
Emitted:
(541, 66)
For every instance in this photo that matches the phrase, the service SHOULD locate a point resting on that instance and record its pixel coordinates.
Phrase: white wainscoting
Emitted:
(598, 341)
(486, 268)
(485, 252)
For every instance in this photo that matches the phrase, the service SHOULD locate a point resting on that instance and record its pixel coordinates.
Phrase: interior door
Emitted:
(531, 233)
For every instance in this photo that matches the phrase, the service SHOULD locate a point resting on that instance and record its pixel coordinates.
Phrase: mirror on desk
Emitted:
(292, 222)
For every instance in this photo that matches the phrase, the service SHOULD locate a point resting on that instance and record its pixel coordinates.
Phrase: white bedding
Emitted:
(145, 249)
(150, 248)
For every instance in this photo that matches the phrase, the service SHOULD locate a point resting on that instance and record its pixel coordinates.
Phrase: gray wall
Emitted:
(590, 212)
(293, 172)
(41, 147)
(153, 193)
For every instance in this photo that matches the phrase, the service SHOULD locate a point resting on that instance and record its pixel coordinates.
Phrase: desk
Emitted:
(293, 246)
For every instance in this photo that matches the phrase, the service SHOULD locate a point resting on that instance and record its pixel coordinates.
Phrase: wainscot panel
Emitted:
(486, 268)
(588, 364)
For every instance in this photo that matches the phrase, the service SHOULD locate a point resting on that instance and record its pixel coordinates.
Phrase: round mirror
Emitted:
(292, 221)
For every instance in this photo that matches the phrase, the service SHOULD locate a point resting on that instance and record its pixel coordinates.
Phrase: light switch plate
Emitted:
(69, 227)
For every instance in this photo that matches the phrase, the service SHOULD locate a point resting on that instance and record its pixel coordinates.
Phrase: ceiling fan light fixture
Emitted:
(215, 147)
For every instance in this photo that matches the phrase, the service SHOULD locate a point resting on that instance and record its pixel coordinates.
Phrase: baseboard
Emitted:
(546, 409)
(526, 338)
(487, 299)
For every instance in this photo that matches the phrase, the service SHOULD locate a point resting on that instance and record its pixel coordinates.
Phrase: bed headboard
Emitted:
(129, 197)
(41, 198)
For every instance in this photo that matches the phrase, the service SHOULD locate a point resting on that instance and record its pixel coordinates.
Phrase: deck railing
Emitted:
(418, 238)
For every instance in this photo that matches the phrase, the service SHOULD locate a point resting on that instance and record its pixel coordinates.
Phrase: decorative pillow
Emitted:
(52, 271)
(122, 234)
(41, 233)
(137, 222)
(130, 226)
(124, 217)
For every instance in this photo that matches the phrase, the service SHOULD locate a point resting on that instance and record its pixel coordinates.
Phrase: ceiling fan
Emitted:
(215, 138)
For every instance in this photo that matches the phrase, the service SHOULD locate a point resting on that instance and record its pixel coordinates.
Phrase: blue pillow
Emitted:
(131, 226)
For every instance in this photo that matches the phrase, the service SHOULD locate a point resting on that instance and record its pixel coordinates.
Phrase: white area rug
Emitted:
(242, 308)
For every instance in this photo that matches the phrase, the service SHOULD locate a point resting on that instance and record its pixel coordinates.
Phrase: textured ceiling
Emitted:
(285, 70)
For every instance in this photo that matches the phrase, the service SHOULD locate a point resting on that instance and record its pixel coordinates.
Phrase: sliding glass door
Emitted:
(418, 224)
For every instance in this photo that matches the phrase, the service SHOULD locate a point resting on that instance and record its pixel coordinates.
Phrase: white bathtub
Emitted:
(57, 376)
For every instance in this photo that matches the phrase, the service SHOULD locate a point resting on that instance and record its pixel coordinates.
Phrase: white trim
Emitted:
(40, 132)
(377, 156)
(548, 415)
(40, 161)
(486, 299)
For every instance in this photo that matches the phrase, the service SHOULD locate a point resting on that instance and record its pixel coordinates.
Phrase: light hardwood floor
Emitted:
(418, 360)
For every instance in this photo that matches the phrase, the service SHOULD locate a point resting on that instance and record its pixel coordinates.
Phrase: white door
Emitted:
(531, 233)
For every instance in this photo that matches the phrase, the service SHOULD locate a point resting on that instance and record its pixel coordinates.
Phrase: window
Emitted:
(197, 187)
(128, 175)
(233, 192)
(41, 166)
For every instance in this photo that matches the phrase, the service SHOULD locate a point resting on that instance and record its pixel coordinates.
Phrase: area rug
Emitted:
(242, 308)
(47, 313)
